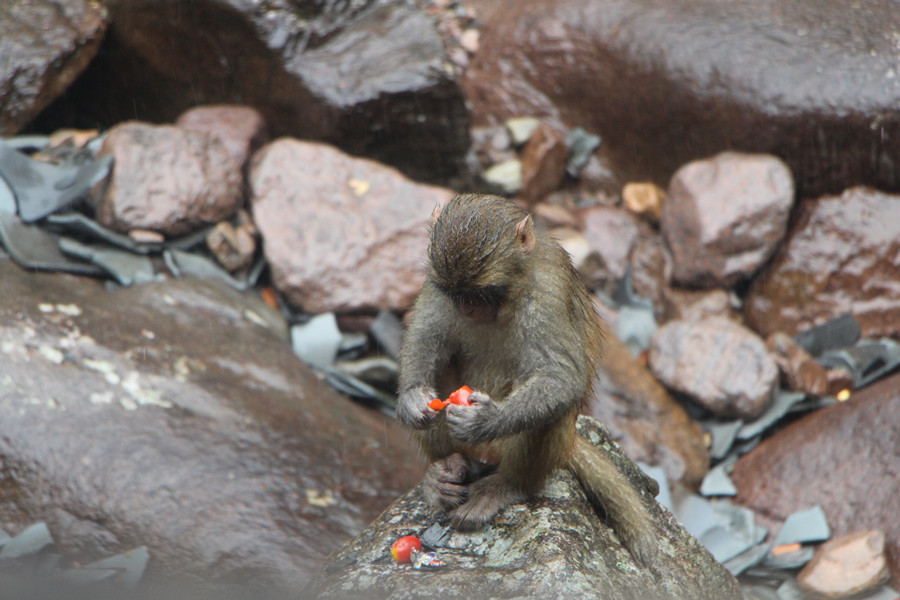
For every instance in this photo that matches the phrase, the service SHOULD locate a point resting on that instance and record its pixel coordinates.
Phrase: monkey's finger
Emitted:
(479, 398)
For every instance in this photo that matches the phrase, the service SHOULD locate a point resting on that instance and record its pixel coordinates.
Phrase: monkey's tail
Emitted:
(609, 490)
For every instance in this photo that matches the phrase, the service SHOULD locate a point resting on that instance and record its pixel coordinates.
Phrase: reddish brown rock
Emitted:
(665, 83)
(234, 247)
(167, 179)
(641, 415)
(799, 371)
(696, 305)
(842, 255)
(717, 362)
(340, 233)
(843, 458)
(543, 163)
(621, 239)
(724, 216)
(240, 129)
(44, 45)
(846, 567)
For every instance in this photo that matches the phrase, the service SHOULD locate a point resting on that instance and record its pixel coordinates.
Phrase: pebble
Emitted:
(847, 566)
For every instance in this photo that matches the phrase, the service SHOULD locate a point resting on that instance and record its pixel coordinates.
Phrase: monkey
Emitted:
(504, 311)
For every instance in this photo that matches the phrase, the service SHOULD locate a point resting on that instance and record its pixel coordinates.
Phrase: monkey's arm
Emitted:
(553, 383)
(425, 354)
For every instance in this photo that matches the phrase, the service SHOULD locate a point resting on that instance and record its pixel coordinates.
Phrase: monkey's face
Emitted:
(480, 304)
(477, 252)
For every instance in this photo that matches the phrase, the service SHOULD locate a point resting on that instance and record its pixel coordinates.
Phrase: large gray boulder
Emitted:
(173, 415)
(664, 83)
(554, 546)
(373, 78)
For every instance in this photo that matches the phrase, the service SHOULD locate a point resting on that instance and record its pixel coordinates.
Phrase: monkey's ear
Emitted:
(436, 213)
(525, 234)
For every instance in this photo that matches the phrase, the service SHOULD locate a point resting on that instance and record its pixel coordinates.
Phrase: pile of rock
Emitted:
(717, 206)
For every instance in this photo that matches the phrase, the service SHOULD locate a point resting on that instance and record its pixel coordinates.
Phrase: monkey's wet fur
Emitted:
(504, 311)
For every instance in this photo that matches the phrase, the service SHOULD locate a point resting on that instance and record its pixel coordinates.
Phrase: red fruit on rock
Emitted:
(402, 549)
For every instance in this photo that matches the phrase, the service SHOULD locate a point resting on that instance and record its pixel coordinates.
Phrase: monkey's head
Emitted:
(478, 250)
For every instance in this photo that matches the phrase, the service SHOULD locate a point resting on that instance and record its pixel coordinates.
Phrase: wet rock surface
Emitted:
(167, 179)
(641, 416)
(696, 305)
(44, 45)
(811, 461)
(717, 362)
(327, 216)
(240, 129)
(622, 240)
(373, 78)
(552, 546)
(798, 369)
(173, 415)
(724, 216)
(841, 255)
(666, 84)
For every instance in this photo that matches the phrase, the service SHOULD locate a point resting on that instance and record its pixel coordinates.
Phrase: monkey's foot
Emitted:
(444, 484)
(486, 497)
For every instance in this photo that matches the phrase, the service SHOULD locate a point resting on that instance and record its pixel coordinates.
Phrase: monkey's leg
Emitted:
(607, 488)
(525, 461)
(444, 485)
(486, 497)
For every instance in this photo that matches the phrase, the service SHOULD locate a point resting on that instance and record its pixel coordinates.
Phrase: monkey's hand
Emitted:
(476, 423)
(413, 410)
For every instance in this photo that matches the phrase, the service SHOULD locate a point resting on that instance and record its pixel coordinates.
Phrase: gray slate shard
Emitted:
(126, 569)
(789, 560)
(696, 514)
(781, 406)
(360, 390)
(868, 360)
(834, 334)
(723, 436)
(31, 541)
(789, 590)
(582, 146)
(188, 264)
(436, 535)
(126, 268)
(387, 328)
(759, 592)
(353, 345)
(658, 474)
(317, 341)
(717, 483)
(724, 544)
(637, 319)
(37, 250)
(804, 526)
(76, 223)
(7, 198)
(42, 188)
(747, 559)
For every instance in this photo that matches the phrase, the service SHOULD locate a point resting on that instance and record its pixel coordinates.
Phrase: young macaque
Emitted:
(503, 311)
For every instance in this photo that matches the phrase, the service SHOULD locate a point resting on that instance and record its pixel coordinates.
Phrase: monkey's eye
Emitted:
(489, 295)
